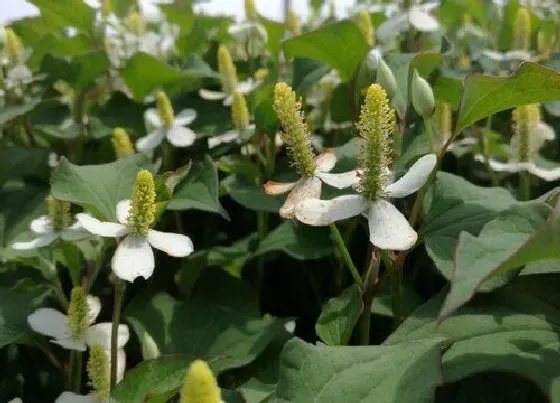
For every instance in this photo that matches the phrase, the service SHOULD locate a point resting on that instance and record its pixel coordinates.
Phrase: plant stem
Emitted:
(346, 256)
(483, 143)
(370, 281)
(59, 293)
(76, 372)
(524, 191)
(429, 134)
(119, 293)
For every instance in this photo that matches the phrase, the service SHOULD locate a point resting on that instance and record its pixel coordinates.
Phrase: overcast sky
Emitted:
(269, 8)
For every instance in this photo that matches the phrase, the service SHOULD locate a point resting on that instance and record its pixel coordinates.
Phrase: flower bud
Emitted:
(522, 30)
(296, 134)
(422, 96)
(261, 74)
(251, 13)
(98, 372)
(165, 109)
(14, 46)
(375, 126)
(135, 23)
(525, 118)
(228, 72)
(366, 27)
(58, 212)
(122, 143)
(200, 385)
(78, 313)
(239, 112)
(386, 79)
(292, 23)
(143, 207)
(373, 58)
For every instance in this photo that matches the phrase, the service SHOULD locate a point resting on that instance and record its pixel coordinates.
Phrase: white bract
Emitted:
(47, 235)
(233, 135)
(388, 228)
(177, 134)
(243, 87)
(539, 133)
(134, 256)
(305, 187)
(55, 324)
(416, 16)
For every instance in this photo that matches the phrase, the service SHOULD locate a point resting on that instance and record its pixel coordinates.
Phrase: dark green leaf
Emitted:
(339, 316)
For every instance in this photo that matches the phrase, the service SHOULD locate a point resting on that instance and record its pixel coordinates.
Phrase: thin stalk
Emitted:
(119, 294)
(346, 256)
(524, 190)
(76, 372)
(370, 281)
(45, 348)
(59, 293)
(483, 143)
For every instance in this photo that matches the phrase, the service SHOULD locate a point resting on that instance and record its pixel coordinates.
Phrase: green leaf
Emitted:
(306, 73)
(8, 113)
(199, 190)
(144, 73)
(80, 72)
(483, 95)
(456, 206)
(515, 329)
(449, 90)
(220, 320)
(64, 13)
(339, 316)
(97, 187)
(19, 162)
(407, 372)
(275, 32)
(299, 241)
(253, 197)
(341, 45)
(516, 237)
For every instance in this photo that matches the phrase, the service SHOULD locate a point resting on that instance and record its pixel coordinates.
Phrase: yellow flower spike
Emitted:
(98, 374)
(165, 109)
(58, 212)
(228, 72)
(135, 23)
(14, 46)
(200, 385)
(251, 13)
(375, 126)
(442, 120)
(522, 30)
(366, 27)
(78, 313)
(296, 134)
(261, 74)
(143, 204)
(292, 23)
(239, 112)
(524, 118)
(121, 143)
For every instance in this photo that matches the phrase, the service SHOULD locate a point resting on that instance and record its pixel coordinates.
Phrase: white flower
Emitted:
(47, 235)
(251, 37)
(243, 87)
(512, 55)
(177, 134)
(134, 256)
(539, 133)
(55, 324)
(16, 400)
(18, 75)
(233, 135)
(71, 397)
(305, 187)
(388, 228)
(417, 16)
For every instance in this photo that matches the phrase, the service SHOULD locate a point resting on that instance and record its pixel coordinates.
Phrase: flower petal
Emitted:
(543, 132)
(340, 181)
(422, 21)
(133, 258)
(511, 167)
(181, 136)
(211, 95)
(75, 232)
(278, 188)
(305, 188)
(94, 307)
(50, 322)
(101, 228)
(71, 397)
(151, 116)
(176, 245)
(227, 137)
(123, 209)
(414, 179)
(185, 117)
(41, 225)
(388, 228)
(101, 334)
(151, 141)
(43, 240)
(318, 212)
(244, 87)
(325, 161)
(548, 175)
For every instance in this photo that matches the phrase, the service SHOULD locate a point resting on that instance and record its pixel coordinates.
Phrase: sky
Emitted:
(270, 8)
